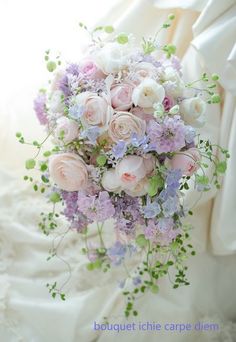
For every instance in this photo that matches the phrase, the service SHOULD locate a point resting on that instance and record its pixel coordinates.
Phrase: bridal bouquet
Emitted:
(126, 148)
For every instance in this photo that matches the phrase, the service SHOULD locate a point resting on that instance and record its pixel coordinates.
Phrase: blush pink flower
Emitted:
(68, 171)
(121, 96)
(90, 69)
(123, 125)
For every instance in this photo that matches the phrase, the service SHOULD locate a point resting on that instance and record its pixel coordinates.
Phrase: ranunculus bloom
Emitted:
(97, 110)
(90, 69)
(124, 124)
(113, 57)
(142, 71)
(147, 93)
(193, 111)
(121, 96)
(68, 127)
(187, 161)
(68, 171)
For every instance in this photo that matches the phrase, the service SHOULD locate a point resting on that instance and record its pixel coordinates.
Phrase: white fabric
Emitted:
(27, 312)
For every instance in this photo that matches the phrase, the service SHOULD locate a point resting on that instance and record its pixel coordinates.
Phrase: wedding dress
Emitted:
(204, 32)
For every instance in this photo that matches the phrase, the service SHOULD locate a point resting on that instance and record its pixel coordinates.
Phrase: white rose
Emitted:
(56, 104)
(67, 128)
(147, 93)
(113, 57)
(193, 111)
(172, 82)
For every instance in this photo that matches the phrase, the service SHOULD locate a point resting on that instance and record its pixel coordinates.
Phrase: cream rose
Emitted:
(147, 93)
(68, 171)
(97, 110)
(67, 128)
(124, 124)
(193, 111)
(113, 57)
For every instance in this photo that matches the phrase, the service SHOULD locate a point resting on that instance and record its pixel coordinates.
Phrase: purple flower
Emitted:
(119, 149)
(151, 209)
(40, 109)
(170, 206)
(73, 69)
(91, 133)
(137, 281)
(190, 134)
(64, 85)
(117, 252)
(165, 224)
(167, 136)
(96, 208)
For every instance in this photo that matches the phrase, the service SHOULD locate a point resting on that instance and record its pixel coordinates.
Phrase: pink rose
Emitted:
(121, 96)
(130, 170)
(124, 124)
(66, 128)
(90, 69)
(187, 161)
(97, 110)
(68, 171)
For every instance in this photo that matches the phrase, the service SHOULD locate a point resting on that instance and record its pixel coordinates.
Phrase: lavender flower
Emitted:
(137, 281)
(96, 208)
(170, 206)
(190, 134)
(76, 111)
(91, 133)
(119, 149)
(117, 252)
(40, 109)
(167, 136)
(73, 69)
(151, 209)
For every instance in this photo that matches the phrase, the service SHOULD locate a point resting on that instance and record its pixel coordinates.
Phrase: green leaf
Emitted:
(55, 197)
(30, 164)
(122, 38)
(155, 183)
(215, 98)
(155, 288)
(108, 29)
(215, 77)
(221, 167)
(141, 241)
(51, 66)
(97, 263)
(101, 160)
(90, 266)
(204, 180)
